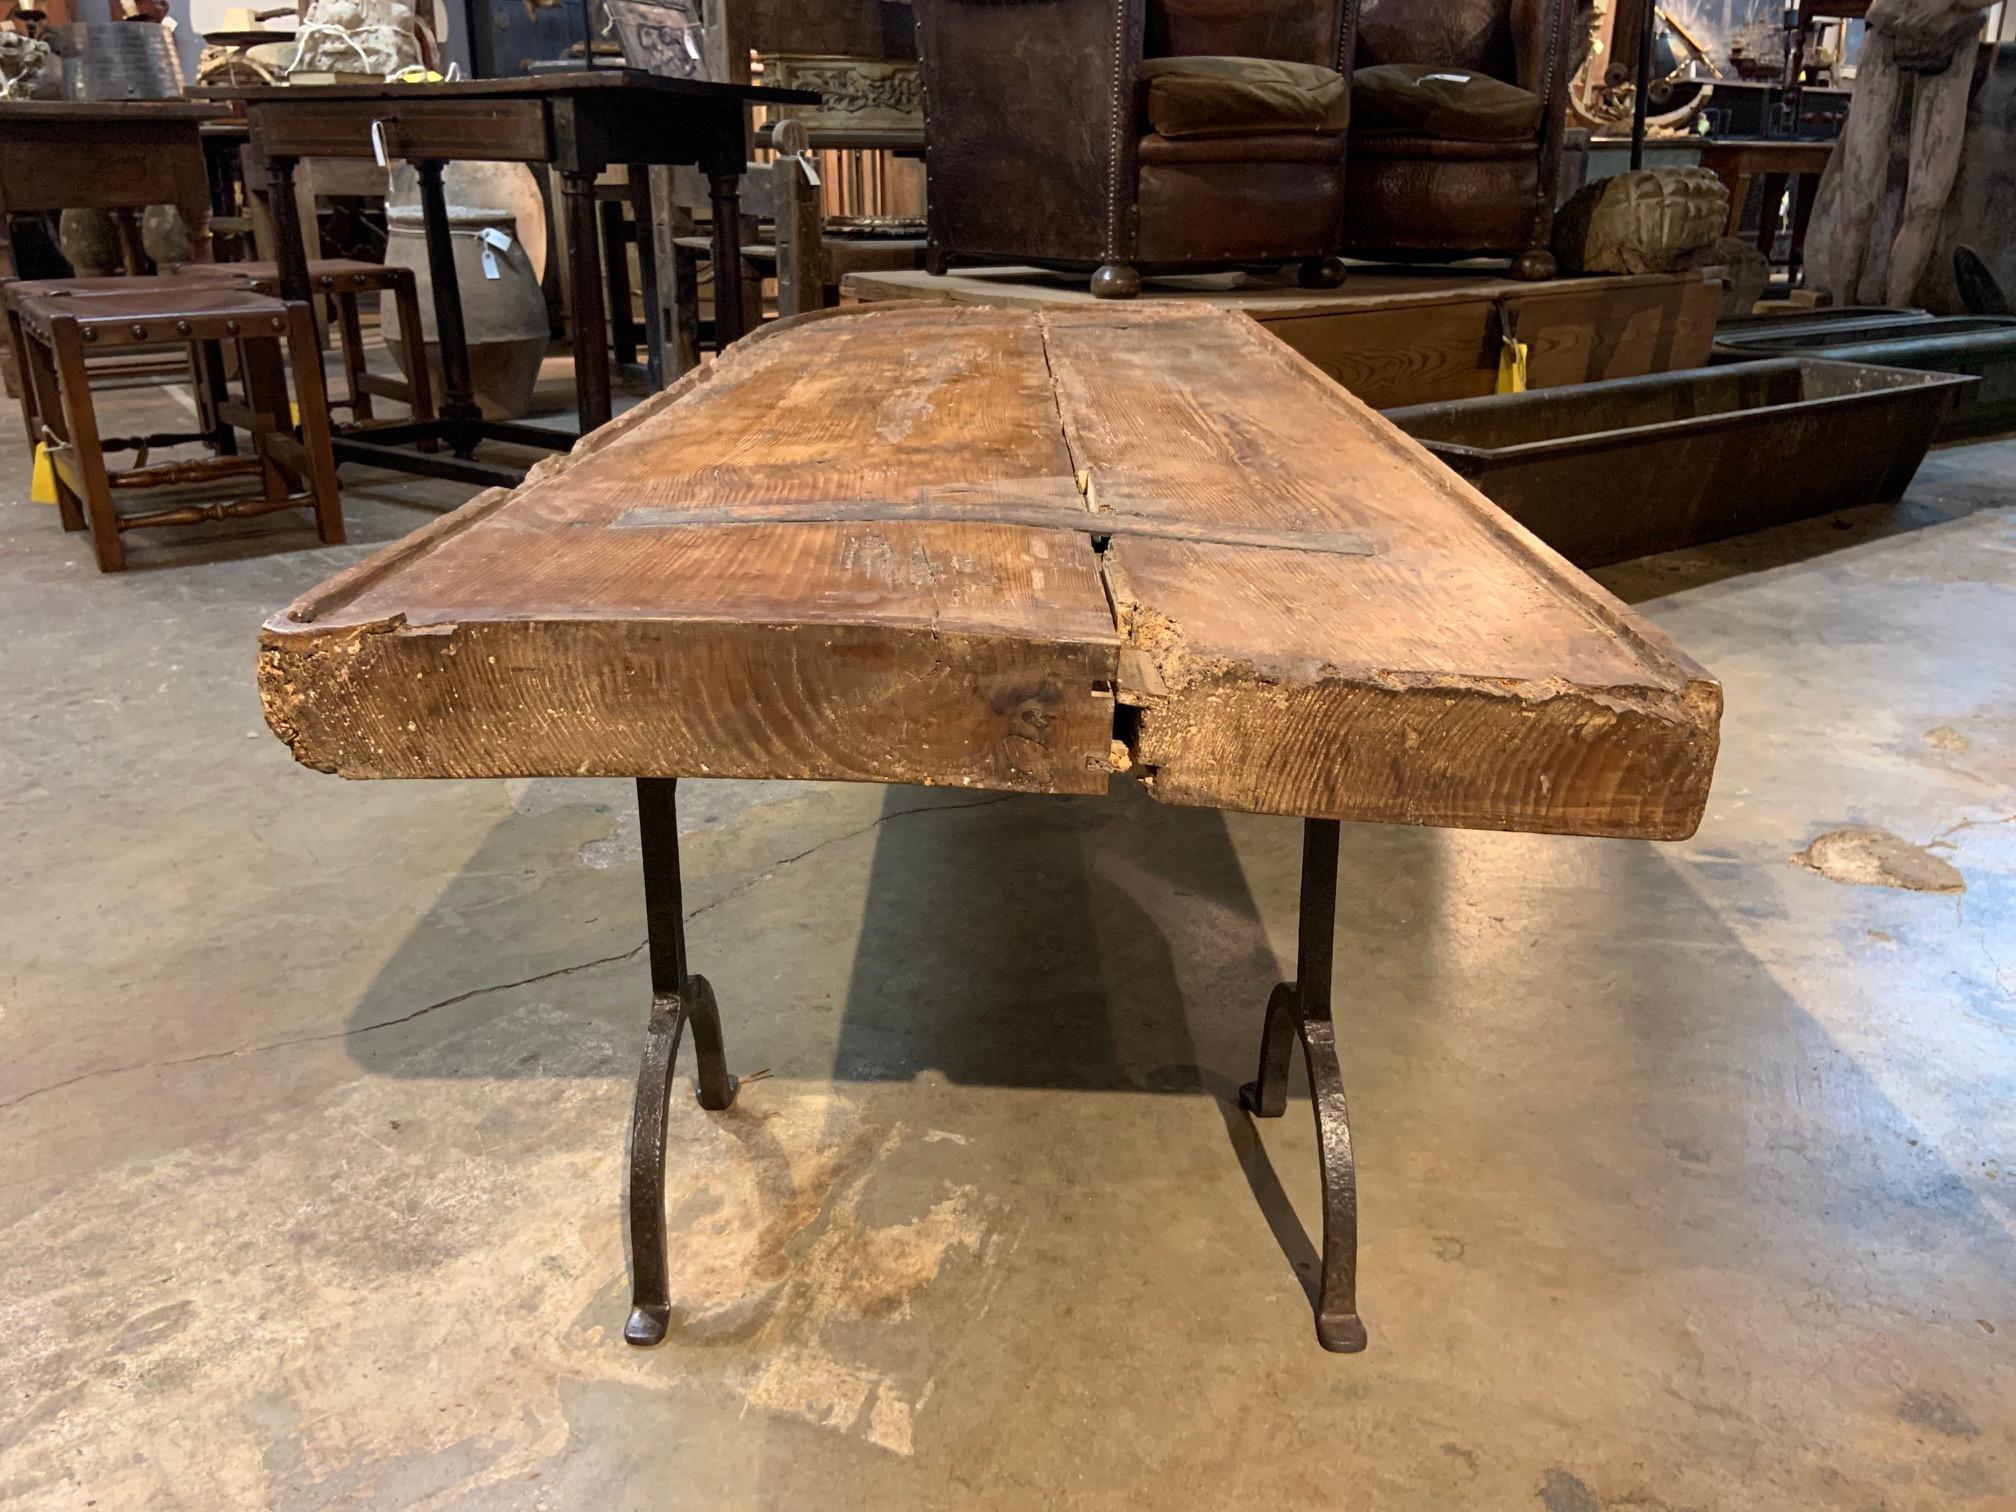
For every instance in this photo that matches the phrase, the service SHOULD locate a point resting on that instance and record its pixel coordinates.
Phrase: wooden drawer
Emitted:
(39, 166)
(489, 130)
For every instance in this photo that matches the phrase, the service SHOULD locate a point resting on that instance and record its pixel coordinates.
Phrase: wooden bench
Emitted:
(1018, 550)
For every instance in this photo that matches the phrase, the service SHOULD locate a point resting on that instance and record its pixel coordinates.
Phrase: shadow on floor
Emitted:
(1556, 1020)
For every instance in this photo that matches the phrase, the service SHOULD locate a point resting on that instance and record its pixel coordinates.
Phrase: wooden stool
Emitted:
(201, 360)
(59, 327)
(343, 279)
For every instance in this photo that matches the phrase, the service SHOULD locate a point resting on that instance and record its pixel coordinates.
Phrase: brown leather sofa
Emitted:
(1133, 136)
(1456, 144)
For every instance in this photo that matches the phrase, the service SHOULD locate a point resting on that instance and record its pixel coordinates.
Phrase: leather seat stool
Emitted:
(57, 326)
(342, 280)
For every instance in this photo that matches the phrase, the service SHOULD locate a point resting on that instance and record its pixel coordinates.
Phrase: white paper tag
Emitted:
(1452, 78)
(811, 173)
(378, 144)
(692, 47)
(490, 264)
(497, 239)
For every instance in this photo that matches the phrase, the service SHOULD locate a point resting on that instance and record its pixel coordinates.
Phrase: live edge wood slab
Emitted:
(1008, 549)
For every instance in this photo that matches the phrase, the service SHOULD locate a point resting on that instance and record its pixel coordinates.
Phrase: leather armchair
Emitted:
(1042, 143)
(1414, 193)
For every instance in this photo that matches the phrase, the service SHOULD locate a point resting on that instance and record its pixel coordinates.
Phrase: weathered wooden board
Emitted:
(1010, 549)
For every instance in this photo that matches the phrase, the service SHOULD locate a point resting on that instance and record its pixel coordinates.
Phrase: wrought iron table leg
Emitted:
(677, 999)
(1303, 1007)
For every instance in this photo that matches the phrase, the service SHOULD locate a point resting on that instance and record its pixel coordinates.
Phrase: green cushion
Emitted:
(1195, 97)
(1452, 103)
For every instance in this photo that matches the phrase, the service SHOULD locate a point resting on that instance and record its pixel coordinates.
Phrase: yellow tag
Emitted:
(42, 481)
(294, 410)
(1512, 367)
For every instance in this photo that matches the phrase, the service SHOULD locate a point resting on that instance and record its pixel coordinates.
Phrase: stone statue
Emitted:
(1927, 47)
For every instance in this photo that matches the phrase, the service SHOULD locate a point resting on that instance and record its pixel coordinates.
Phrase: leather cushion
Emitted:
(1214, 97)
(1451, 103)
(1284, 147)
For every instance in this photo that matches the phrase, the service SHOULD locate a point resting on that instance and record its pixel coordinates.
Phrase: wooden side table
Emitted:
(580, 123)
(1736, 163)
(102, 155)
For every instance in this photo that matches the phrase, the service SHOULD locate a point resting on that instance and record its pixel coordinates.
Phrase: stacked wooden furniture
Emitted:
(860, 57)
(1018, 550)
(579, 123)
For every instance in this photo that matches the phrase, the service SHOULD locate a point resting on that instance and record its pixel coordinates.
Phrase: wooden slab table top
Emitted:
(1019, 550)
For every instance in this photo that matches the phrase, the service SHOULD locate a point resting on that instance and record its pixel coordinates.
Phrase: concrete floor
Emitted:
(1686, 1170)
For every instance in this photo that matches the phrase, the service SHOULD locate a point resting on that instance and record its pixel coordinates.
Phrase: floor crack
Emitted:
(775, 866)
(475, 992)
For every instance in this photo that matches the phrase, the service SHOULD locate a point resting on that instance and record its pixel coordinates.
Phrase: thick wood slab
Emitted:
(1008, 549)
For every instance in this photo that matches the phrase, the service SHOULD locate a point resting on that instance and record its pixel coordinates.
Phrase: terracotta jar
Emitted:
(504, 317)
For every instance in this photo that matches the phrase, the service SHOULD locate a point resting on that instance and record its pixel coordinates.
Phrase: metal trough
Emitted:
(1606, 471)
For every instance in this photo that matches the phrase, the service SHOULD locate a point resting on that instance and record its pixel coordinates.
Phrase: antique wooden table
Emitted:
(1019, 550)
(102, 155)
(1736, 161)
(581, 123)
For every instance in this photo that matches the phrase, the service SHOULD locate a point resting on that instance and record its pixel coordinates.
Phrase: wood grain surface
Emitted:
(858, 547)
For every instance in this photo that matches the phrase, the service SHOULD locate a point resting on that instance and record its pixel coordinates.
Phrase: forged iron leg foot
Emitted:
(677, 999)
(1268, 1096)
(1338, 1326)
(1302, 1008)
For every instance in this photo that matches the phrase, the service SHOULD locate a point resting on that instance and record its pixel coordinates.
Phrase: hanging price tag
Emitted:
(811, 173)
(498, 239)
(378, 144)
(692, 47)
(490, 264)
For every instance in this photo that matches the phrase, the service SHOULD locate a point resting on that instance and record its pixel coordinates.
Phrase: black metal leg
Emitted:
(1304, 1004)
(676, 1000)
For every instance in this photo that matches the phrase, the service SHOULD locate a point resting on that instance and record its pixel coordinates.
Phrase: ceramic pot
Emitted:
(512, 188)
(90, 241)
(164, 237)
(504, 317)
